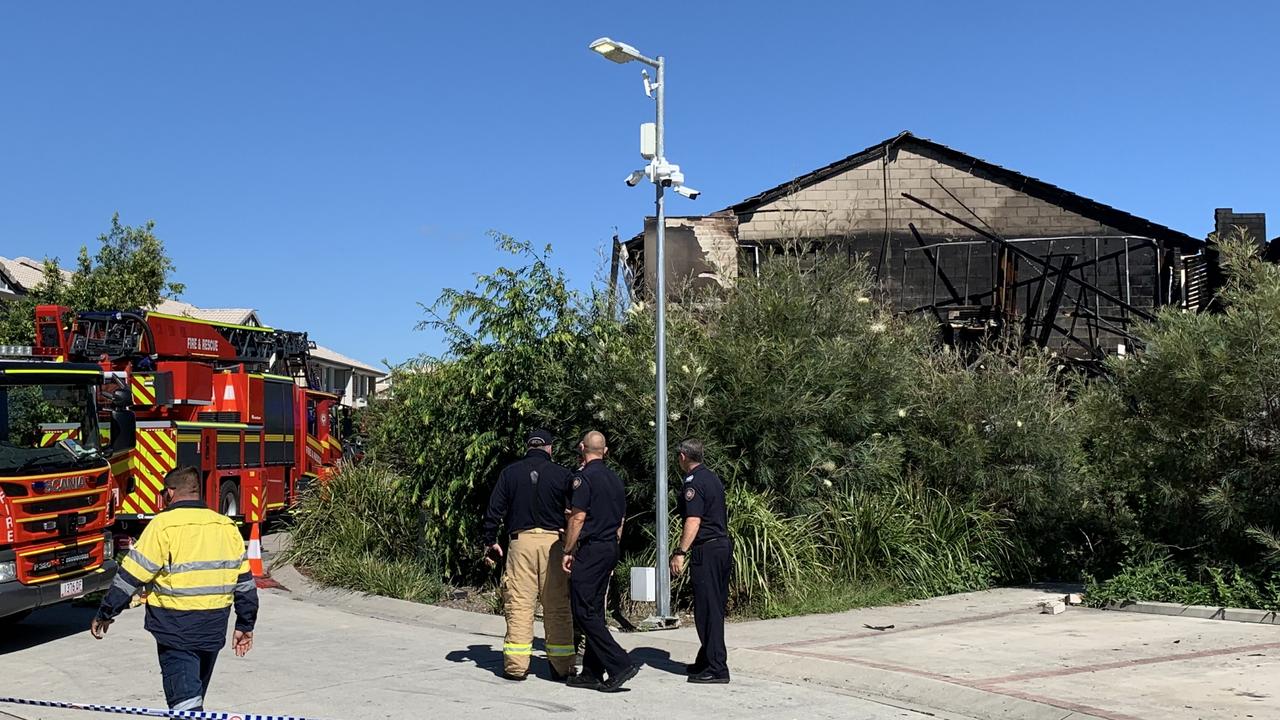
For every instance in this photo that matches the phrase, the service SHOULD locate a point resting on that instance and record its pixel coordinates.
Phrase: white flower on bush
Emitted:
(674, 416)
(864, 299)
(699, 402)
(829, 466)
(902, 412)
(1019, 423)
(636, 308)
(826, 483)
(652, 423)
(653, 368)
(684, 369)
(877, 327)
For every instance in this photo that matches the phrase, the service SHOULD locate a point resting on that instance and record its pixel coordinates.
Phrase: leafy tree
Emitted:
(1189, 431)
(130, 270)
(454, 420)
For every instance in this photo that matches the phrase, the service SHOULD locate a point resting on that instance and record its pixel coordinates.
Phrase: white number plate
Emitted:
(73, 587)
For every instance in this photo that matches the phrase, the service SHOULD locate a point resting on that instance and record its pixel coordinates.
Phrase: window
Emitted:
(748, 260)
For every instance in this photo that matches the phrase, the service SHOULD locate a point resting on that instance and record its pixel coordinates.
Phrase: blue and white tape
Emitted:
(147, 712)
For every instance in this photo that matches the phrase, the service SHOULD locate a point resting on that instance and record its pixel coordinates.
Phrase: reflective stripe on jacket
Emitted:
(192, 564)
(189, 558)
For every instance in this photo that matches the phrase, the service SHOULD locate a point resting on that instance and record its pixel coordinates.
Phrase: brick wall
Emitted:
(1225, 220)
(852, 209)
(700, 252)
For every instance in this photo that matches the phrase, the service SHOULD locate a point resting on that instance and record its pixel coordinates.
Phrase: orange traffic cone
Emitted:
(260, 576)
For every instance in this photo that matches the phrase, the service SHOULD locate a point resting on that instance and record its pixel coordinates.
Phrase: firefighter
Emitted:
(192, 561)
(705, 539)
(528, 501)
(599, 505)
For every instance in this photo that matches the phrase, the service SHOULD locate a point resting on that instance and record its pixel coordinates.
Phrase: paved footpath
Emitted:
(368, 658)
(330, 655)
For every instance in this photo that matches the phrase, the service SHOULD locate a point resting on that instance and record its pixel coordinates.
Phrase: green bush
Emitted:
(1187, 433)
(1163, 580)
(361, 530)
(772, 553)
(923, 541)
(857, 451)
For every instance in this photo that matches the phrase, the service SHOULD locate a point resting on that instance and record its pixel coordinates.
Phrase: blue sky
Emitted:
(333, 164)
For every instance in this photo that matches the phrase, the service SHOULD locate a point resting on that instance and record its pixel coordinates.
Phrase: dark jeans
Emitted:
(186, 675)
(710, 566)
(592, 565)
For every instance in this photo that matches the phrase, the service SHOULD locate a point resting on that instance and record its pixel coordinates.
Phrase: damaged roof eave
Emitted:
(1105, 214)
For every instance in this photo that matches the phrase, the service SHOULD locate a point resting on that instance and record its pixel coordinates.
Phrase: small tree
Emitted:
(454, 420)
(130, 270)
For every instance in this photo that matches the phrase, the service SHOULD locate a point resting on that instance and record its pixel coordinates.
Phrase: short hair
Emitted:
(692, 449)
(183, 480)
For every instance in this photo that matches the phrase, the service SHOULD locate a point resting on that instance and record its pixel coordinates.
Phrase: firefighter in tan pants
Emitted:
(528, 502)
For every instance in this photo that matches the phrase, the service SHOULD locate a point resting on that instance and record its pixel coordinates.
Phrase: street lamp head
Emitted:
(616, 51)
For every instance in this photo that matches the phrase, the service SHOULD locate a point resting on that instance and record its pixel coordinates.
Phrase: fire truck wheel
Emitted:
(229, 499)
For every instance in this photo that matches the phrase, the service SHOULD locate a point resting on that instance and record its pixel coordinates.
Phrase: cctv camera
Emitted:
(688, 192)
(634, 178)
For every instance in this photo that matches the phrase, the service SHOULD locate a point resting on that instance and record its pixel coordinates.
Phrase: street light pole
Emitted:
(662, 174)
(663, 569)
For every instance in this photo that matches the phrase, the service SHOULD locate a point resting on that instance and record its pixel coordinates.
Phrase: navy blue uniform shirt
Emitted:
(599, 491)
(529, 494)
(703, 497)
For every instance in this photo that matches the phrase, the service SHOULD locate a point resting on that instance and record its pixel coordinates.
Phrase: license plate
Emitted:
(73, 587)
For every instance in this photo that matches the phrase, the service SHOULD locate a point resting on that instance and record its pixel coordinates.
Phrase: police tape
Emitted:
(147, 712)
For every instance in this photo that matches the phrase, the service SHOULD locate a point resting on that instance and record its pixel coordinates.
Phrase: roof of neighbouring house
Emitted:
(325, 354)
(1047, 192)
(233, 316)
(25, 273)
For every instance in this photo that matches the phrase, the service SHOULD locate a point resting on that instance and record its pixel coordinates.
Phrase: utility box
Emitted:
(648, 141)
(644, 584)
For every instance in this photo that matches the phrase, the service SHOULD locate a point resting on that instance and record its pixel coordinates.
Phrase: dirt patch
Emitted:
(483, 600)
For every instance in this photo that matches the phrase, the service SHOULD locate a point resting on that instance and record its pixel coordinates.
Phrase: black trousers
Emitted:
(186, 675)
(592, 566)
(710, 566)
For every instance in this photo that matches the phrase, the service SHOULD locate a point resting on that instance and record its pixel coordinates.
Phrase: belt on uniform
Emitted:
(700, 543)
(534, 531)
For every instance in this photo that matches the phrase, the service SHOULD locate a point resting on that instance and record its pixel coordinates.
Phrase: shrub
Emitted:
(1188, 432)
(1163, 580)
(920, 539)
(361, 530)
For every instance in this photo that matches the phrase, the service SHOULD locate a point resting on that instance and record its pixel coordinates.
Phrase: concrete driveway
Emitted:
(332, 663)
(329, 654)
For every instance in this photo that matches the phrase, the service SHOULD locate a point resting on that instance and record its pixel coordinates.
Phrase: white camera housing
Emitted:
(634, 178)
(688, 192)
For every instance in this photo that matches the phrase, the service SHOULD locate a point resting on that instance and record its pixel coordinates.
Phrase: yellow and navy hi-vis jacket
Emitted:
(191, 561)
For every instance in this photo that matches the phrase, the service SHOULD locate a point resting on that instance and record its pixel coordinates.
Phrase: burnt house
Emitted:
(985, 249)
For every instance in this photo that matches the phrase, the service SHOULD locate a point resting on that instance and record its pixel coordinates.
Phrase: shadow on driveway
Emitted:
(659, 660)
(46, 625)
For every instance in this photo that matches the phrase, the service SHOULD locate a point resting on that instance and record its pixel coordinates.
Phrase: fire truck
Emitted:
(234, 401)
(57, 500)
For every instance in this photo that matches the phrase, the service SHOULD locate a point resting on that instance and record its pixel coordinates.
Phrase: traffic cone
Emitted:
(260, 576)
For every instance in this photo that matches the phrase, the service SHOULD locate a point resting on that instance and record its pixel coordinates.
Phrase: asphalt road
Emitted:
(328, 663)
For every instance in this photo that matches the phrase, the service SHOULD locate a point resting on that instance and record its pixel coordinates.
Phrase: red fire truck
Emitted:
(230, 400)
(57, 500)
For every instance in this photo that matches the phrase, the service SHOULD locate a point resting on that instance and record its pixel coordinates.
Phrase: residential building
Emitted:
(983, 248)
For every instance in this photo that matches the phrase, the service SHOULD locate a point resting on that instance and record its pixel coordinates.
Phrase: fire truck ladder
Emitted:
(292, 355)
